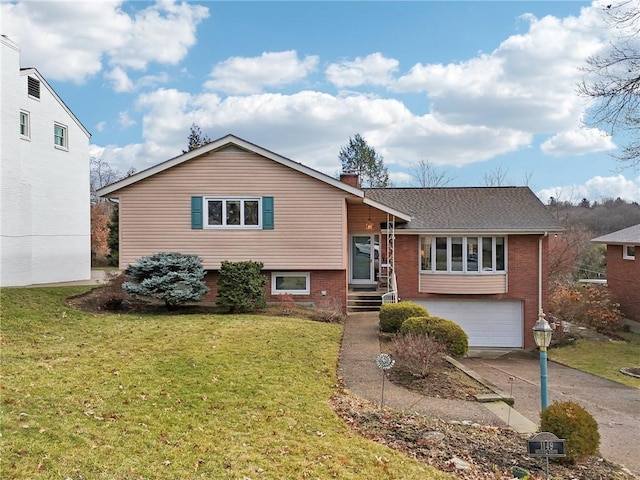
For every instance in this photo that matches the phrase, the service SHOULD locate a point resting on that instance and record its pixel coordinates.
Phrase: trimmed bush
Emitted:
(173, 277)
(241, 287)
(570, 421)
(443, 331)
(392, 315)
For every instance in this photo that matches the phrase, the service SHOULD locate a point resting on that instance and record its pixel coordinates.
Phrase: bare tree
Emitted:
(100, 174)
(425, 174)
(496, 177)
(612, 81)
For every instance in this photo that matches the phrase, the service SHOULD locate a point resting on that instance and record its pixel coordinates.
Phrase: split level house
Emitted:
(477, 256)
(45, 228)
(623, 268)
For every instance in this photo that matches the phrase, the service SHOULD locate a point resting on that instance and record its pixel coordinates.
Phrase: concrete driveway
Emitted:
(615, 407)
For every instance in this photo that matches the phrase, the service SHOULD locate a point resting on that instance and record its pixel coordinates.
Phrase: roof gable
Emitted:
(233, 142)
(470, 209)
(34, 73)
(629, 235)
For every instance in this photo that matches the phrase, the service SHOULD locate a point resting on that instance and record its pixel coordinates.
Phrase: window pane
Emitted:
(500, 253)
(23, 124)
(472, 254)
(456, 254)
(291, 283)
(630, 251)
(233, 212)
(59, 135)
(425, 253)
(487, 254)
(251, 212)
(215, 212)
(441, 254)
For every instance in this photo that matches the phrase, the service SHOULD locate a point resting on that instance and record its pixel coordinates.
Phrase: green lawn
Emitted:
(176, 396)
(602, 358)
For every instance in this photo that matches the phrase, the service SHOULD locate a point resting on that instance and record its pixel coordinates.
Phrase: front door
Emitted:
(365, 251)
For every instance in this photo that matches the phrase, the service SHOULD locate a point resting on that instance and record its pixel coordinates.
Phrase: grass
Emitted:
(174, 396)
(602, 358)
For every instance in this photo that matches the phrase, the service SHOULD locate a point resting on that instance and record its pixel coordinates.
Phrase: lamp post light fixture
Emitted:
(542, 333)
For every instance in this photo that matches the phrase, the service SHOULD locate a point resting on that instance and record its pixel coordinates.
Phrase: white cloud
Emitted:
(578, 142)
(596, 188)
(374, 69)
(74, 38)
(124, 120)
(248, 75)
(120, 80)
(527, 83)
(100, 126)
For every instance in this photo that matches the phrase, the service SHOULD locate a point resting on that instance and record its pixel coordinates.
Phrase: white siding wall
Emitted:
(44, 192)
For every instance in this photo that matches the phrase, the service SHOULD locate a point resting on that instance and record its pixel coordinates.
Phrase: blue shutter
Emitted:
(267, 213)
(196, 213)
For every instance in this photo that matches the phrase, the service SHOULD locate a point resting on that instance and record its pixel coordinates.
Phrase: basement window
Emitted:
(294, 283)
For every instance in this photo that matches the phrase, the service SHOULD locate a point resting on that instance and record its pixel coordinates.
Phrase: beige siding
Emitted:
(463, 284)
(360, 214)
(310, 223)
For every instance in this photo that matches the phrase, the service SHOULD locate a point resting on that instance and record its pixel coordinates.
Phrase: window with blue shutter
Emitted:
(196, 213)
(267, 213)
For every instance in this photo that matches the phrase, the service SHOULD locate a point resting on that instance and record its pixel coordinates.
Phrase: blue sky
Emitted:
(477, 89)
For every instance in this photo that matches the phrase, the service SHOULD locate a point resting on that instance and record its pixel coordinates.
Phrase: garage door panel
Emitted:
(487, 323)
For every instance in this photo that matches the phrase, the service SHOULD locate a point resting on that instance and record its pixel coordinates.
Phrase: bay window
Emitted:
(462, 254)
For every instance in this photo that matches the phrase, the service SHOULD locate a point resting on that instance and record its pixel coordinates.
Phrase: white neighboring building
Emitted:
(45, 226)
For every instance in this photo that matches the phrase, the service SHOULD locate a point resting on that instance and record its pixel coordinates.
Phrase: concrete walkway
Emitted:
(357, 367)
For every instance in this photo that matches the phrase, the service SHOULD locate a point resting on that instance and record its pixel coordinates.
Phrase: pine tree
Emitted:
(113, 237)
(358, 157)
(196, 138)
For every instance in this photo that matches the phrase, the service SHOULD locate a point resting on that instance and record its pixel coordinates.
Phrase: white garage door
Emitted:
(487, 323)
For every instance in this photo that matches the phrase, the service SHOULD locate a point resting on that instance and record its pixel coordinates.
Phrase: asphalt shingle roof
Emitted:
(469, 208)
(626, 235)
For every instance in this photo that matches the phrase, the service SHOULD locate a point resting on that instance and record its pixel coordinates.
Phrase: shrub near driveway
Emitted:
(174, 396)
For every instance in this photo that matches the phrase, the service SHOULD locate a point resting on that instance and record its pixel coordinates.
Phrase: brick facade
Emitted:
(332, 282)
(623, 279)
(522, 276)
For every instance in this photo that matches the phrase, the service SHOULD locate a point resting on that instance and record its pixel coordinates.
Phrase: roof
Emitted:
(469, 209)
(629, 235)
(228, 140)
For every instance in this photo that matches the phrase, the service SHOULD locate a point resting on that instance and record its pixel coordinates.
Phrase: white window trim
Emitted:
(306, 291)
(26, 136)
(464, 270)
(625, 250)
(205, 213)
(65, 136)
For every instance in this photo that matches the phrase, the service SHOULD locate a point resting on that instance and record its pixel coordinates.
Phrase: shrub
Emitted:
(570, 421)
(443, 331)
(174, 278)
(590, 305)
(241, 286)
(417, 353)
(392, 315)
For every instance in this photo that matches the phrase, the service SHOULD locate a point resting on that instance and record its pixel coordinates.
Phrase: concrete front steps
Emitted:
(364, 302)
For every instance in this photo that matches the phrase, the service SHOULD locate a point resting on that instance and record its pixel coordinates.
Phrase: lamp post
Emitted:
(542, 332)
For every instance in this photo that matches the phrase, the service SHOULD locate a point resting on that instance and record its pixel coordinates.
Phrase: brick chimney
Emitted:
(350, 179)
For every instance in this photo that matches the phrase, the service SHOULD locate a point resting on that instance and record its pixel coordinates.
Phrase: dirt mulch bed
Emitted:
(468, 450)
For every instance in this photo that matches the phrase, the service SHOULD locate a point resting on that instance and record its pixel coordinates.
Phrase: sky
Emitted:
(475, 89)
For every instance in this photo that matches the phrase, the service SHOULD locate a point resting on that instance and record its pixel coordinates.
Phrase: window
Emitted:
(60, 139)
(463, 254)
(295, 283)
(24, 124)
(33, 87)
(629, 252)
(232, 212)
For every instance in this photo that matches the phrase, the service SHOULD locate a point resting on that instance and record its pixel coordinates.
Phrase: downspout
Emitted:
(540, 311)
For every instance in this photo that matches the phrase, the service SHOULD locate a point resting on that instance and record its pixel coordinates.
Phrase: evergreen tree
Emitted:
(113, 238)
(358, 157)
(174, 278)
(241, 286)
(196, 138)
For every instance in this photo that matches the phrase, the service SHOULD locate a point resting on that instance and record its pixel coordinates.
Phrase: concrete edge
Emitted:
(514, 419)
(500, 394)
